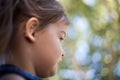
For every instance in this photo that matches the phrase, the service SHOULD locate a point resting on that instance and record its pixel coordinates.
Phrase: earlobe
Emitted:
(30, 29)
(29, 35)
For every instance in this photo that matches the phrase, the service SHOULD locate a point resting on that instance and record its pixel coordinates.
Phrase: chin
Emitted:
(48, 74)
(51, 74)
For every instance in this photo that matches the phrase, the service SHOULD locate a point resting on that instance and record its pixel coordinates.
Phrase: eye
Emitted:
(62, 35)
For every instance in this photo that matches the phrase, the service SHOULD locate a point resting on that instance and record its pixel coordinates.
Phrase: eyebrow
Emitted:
(65, 20)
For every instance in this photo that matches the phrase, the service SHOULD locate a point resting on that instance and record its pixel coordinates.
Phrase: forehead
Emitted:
(61, 25)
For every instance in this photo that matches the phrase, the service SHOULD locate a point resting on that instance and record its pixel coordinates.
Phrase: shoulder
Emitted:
(12, 77)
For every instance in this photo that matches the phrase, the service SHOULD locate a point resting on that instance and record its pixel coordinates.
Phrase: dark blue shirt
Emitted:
(8, 69)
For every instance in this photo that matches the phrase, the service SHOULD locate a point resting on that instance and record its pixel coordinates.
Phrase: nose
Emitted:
(62, 55)
(63, 52)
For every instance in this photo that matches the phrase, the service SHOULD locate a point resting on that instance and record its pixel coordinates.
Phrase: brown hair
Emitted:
(16, 11)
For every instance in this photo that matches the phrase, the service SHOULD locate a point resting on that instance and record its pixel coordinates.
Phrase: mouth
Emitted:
(60, 60)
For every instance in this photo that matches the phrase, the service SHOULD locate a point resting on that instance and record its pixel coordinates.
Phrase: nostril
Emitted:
(63, 53)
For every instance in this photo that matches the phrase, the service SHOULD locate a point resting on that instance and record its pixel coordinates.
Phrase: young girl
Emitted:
(31, 32)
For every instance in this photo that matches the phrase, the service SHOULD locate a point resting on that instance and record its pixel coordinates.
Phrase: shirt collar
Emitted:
(8, 68)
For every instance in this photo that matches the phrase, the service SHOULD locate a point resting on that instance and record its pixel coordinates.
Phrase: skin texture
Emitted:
(12, 77)
(37, 51)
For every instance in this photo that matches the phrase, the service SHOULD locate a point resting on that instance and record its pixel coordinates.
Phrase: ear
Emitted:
(30, 29)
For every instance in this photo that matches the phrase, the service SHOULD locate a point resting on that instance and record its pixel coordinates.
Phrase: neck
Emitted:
(19, 56)
(19, 53)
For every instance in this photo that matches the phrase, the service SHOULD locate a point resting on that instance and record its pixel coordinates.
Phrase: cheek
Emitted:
(49, 51)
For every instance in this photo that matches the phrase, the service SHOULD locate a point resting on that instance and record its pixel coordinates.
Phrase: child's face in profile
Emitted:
(48, 51)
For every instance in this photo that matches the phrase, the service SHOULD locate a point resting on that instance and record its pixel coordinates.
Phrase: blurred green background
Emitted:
(93, 43)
